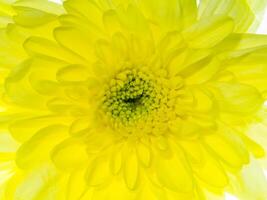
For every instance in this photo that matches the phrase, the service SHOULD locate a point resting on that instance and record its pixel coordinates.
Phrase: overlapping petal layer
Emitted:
(131, 99)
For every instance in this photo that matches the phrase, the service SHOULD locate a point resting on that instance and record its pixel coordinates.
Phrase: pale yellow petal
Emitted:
(208, 32)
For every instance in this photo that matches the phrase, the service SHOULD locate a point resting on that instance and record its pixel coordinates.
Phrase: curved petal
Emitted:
(37, 149)
(173, 172)
(42, 46)
(23, 129)
(64, 158)
(228, 146)
(98, 172)
(130, 169)
(208, 32)
(171, 15)
(211, 166)
(234, 9)
(237, 98)
(76, 40)
(30, 17)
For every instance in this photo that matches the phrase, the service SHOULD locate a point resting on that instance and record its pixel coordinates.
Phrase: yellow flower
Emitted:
(132, 100)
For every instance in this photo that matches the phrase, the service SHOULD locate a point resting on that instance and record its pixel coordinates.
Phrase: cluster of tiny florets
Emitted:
(132, 95)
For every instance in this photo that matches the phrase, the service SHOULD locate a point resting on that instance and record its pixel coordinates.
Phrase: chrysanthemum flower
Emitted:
(132, 100)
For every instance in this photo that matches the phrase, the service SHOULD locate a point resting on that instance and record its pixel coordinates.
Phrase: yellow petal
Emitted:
(30, 17)
(144, 154)
(234, 9)
(178, 178)
(83, 8)
(208, 32)
(79, 125)
(23, 129)
(205, 72)
(37, 149)
(108, 192)
(7, 143)
(237, 98)
(166, 14)
(98, 172)
(204, 101)
(37, 46)
(76, 184)
(116, 160)
(228, 146)
(130, 169)
(189, 12)
(73, 73)
(211, 171)
(40, 179)
(251, 70)
(185, 61)
(64, 158)
(49, 7)
(19, 91)
(111, 22)
(253, 182)
(75, 40)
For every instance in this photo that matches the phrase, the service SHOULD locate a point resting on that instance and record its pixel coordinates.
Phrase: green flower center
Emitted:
(131, 96)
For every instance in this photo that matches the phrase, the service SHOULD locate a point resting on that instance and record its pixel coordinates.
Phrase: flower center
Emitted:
(131, 96)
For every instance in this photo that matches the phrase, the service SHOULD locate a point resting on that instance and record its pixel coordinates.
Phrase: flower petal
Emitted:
(178, 178)
(64, 158)
(98, 172)
(144, 154)
(37, 149)
(165, 13)
(84, 8)
(251, 70)
(208, 32)
(108, 191)
(76, 184)
(130, 169)
(73, 73)
(237, 98)
(234, 9)
(206, 166)
(30, 17)
(79, 125)
(228, 146)
(49, 7)
(253, 182)
(41, 46)
(40, 179)
(116, 160)
(18, 89)
(23, 129)
(75, 40)
(7, 143)
(111, 22)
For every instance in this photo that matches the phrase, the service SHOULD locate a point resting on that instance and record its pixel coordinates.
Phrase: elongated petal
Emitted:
(223, 144)
(230, 98)
(98, 172)
(207, 33)
(62, 154)
(48, 48)
(177, 179)
(25, 17)
(234, 9)
(73, 39)
(131, 170)
(37, 149)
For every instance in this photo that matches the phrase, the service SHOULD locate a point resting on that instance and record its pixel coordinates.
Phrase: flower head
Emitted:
(131, 99)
